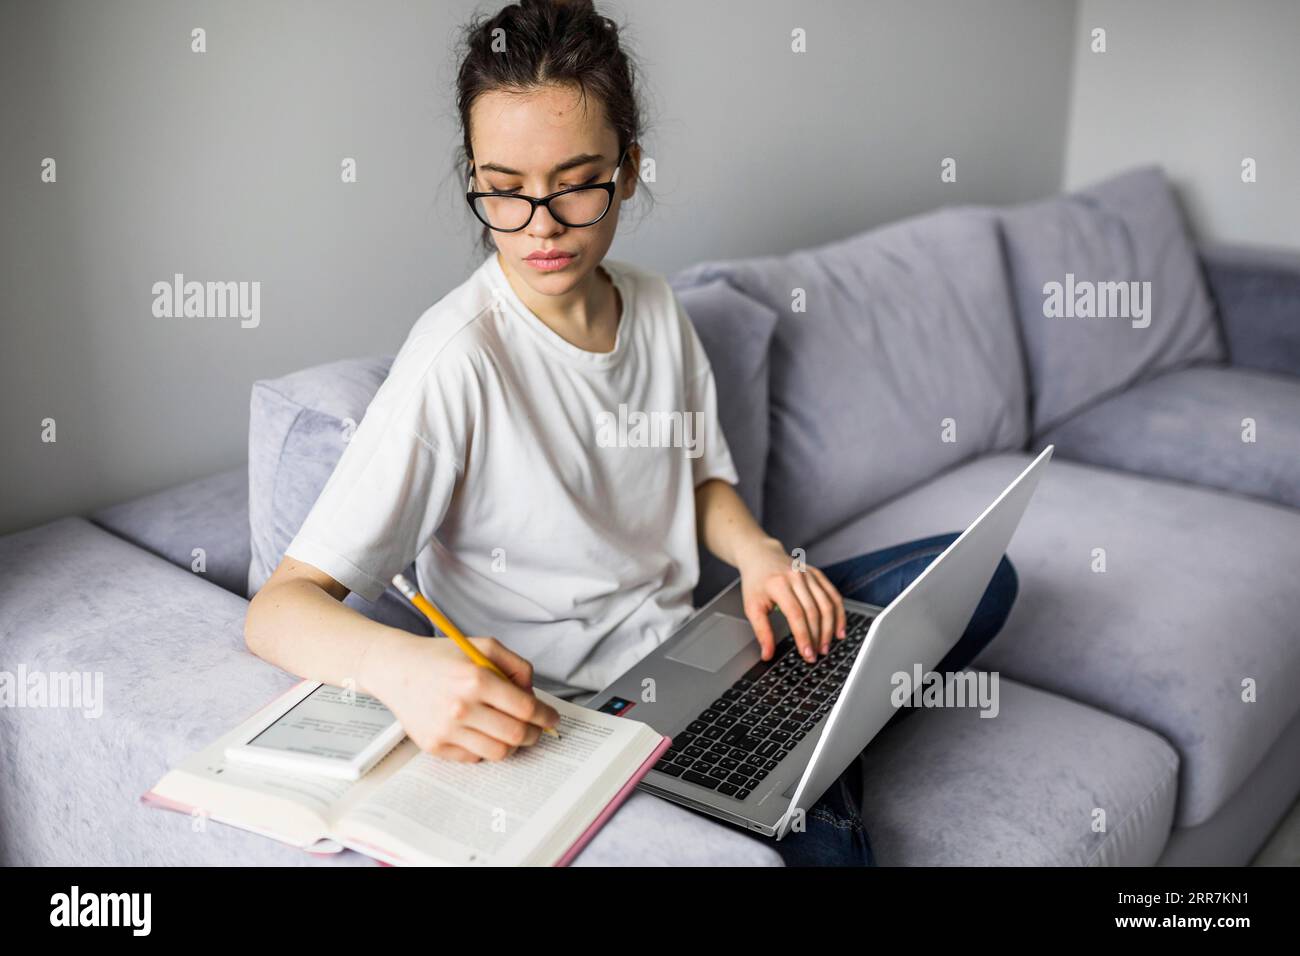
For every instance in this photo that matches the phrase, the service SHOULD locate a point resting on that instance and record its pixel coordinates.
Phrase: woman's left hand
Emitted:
(811, 604)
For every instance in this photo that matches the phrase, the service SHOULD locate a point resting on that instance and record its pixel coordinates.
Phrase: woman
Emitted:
(487, 454)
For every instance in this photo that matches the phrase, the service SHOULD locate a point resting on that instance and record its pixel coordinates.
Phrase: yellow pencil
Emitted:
(443, 623)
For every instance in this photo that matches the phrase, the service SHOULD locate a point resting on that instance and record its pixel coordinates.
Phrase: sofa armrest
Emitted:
(164, 652)
(1257, 290)
(209, 513)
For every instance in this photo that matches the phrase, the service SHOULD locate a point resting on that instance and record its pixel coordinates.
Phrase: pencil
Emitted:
(443, 623)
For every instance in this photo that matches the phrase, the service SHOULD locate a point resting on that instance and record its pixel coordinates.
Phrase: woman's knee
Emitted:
(999, 596)
(945, 539)
(1009, 579)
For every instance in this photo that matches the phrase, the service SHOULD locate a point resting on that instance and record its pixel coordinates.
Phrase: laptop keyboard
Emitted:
(740, 738)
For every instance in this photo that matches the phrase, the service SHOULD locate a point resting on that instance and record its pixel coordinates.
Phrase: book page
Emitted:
(492, 811)
(297, 812)
(315, 793)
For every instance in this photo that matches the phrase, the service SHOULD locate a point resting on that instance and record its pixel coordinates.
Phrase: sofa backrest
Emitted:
(1109, 292)
(896, 356)
(736, 332)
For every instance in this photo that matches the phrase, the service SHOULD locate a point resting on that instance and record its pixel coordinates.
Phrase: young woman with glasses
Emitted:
(479, 457)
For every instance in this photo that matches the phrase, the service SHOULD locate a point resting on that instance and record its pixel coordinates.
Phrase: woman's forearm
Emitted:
(300, 628)
(768, 578)
(725, 525)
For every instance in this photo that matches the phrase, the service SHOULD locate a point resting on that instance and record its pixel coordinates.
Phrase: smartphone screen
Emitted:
(329, 722)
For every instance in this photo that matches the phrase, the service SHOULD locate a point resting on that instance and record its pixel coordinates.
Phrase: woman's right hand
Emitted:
(449, 706)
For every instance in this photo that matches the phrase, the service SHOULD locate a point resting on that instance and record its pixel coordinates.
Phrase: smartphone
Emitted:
(323, 730)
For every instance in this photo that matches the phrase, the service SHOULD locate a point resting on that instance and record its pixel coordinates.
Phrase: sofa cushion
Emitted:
(947, 787)
(208, 513)
(1126, 229)
(176, 676)
(1187, 425)
(736, 332)
(907, 328)
(1243, 826)
(298, 425)
(1198, 596)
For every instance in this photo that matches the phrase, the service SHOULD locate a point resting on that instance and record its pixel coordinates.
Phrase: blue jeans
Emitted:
(834, 834)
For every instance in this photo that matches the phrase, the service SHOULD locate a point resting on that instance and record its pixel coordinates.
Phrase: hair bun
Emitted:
(579, 6)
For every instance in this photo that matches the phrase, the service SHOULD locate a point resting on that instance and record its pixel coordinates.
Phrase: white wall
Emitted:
(225, 166)
(1195, 85)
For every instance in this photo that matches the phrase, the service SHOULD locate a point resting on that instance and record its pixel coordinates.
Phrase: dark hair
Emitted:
(547, 41)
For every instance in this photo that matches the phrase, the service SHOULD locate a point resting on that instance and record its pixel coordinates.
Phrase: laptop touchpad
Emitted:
(714, 643)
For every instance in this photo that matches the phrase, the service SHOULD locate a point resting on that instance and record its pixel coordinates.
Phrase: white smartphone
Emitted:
(323, 730)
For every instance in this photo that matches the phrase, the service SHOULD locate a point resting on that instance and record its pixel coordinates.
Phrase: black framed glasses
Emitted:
(574, 207)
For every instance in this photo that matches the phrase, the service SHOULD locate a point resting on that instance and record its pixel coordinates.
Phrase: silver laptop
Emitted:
(755, 741)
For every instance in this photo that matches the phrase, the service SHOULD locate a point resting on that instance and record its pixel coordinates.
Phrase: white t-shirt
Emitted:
(546, 493)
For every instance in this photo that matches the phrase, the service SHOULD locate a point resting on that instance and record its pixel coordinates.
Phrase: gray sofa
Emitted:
(875, 389)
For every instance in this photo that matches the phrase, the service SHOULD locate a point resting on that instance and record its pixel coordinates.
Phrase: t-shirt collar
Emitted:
(496, 275)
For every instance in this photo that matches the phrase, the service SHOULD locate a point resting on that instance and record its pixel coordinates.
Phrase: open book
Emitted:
(537, 807)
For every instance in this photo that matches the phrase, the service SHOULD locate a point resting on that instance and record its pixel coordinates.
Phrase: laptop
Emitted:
(755, 741)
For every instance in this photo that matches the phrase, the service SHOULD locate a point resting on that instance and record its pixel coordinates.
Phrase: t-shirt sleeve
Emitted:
(712, 454)
(391, 486)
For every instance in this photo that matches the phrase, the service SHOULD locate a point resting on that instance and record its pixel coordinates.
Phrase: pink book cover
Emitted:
(613, 805)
